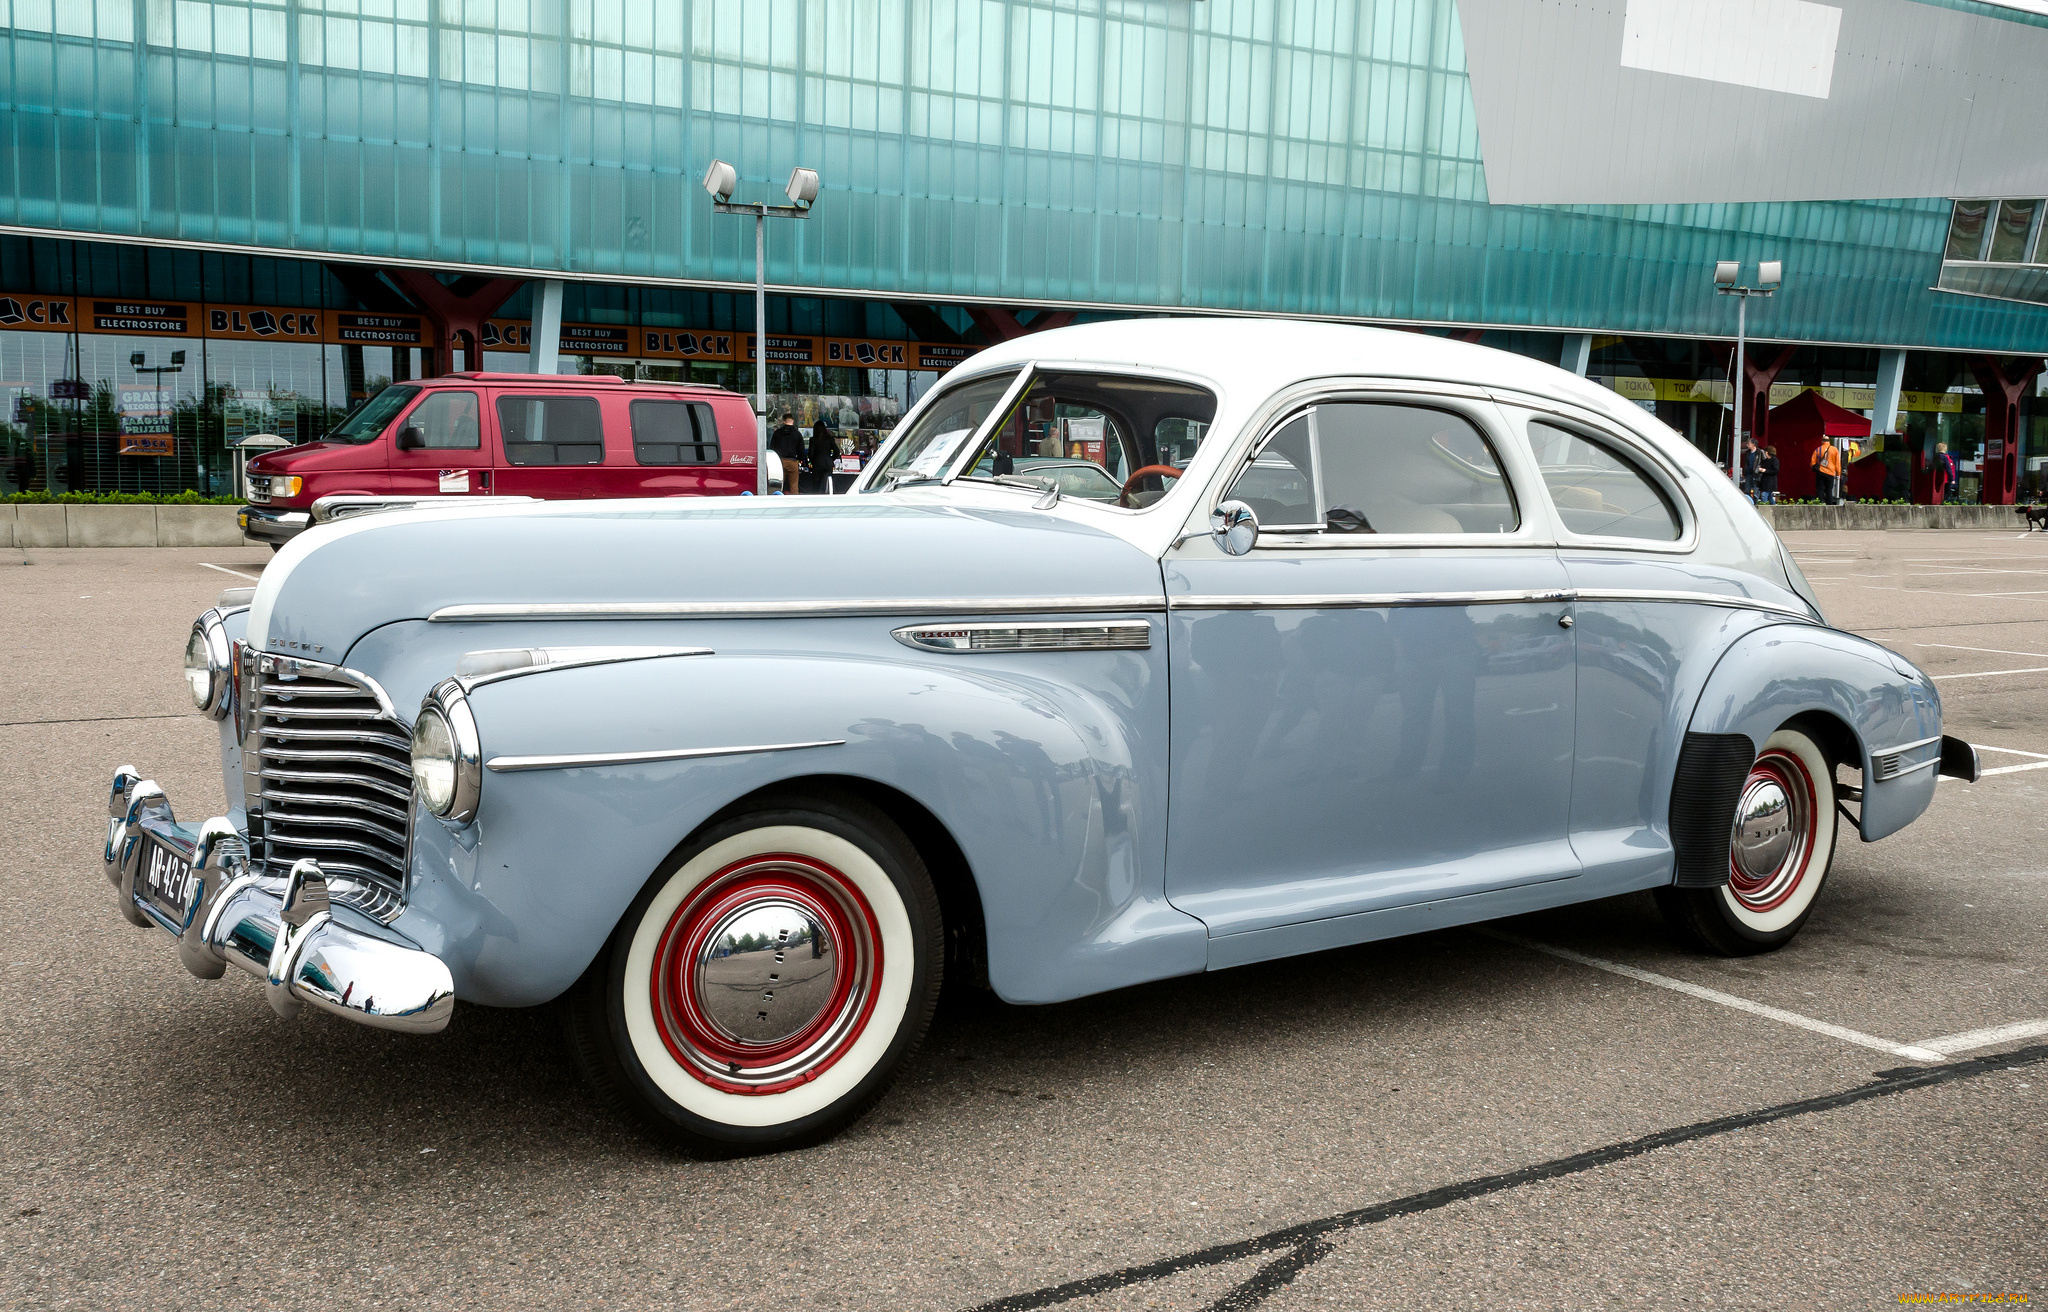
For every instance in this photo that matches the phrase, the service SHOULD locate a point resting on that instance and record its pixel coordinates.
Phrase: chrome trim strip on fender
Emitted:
(474, 669)
(1364, 601)
(508, 764)
(764, 610)
(1728, 599)
(1380, 600)
(1904, 747)
(1117, 635)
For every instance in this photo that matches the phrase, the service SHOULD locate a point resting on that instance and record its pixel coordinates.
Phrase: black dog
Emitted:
(2037, 516)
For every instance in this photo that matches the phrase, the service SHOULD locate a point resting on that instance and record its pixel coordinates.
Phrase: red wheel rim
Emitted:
(1772, 848)
(703, 978)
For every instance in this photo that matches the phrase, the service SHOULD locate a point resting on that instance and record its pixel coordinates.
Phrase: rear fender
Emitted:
(1782, 672)
(1044, 783)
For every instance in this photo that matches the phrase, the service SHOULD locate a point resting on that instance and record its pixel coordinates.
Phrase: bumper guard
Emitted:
(281, 930)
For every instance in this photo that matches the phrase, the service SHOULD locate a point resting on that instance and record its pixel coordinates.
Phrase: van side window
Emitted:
(551, 430)
(447, 422)
(1598, 493)
(674, 433)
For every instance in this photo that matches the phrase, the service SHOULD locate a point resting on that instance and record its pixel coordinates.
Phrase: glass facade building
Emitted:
(1301, 157)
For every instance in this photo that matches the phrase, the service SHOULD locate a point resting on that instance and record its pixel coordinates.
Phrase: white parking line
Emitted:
(1986, 674)
(2010, 751)
(2003, 769)
(225, 570)
(1996, 651)
(1912, 1052)
(1952, 1044)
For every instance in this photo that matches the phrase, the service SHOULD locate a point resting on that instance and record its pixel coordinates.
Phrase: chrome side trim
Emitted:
(1727, 599)
(540, 660)
(1905, 747)
(508, 764)
(1380, 600)
(763, 610)
(327, 509)
(1364, 601)
(1117, 635)
(1884, 776)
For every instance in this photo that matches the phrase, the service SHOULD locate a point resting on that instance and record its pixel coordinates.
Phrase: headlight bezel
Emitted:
(450, 705)
(211, 635)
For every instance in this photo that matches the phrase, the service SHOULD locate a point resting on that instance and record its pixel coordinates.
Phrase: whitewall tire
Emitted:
(767, 985)
(1780, 848)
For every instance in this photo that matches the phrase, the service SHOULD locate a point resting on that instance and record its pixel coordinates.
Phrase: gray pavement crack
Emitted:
(1307, 1243)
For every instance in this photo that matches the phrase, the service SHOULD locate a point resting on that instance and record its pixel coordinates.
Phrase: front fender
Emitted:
(1050, 786)
(1776, 673)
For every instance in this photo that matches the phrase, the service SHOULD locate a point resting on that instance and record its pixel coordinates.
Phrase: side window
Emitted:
(447, 422)
(1366, 467)
(674, 433)
(1598, 493)
(1279, 484)
(551, 430)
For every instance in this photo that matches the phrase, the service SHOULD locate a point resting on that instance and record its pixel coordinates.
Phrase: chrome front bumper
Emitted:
(281, 930)
(267, 525)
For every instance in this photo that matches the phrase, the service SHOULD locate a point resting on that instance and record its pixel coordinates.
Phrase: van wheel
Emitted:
(769, 983)
(1779, 852)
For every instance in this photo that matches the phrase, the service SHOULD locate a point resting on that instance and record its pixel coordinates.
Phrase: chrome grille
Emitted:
(259, 488)
(329, 776)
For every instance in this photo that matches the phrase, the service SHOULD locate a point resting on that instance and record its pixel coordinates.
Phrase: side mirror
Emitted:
(1234, 527)
(411, 438)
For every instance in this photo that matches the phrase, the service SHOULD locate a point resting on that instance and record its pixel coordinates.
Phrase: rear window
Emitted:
(674, 433)
(551, 430)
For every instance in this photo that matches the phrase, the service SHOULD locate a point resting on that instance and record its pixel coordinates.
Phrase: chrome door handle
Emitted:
(1564, 621)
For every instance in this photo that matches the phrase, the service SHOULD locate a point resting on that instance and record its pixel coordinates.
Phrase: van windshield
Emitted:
(367, 420)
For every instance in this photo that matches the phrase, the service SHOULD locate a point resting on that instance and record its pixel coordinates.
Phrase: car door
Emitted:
(1652, 620)
(552, 444)
(437, 449)
(1374, 706)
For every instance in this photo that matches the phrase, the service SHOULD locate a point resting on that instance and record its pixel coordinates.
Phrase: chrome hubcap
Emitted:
(1763, 827)
(1774, 827)
(765, 972)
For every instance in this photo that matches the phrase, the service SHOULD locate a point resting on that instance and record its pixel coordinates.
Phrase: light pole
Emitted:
(719, 180)
(1769, 273)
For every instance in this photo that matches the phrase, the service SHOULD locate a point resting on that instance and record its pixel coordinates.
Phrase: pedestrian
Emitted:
(1750, 456)
(1767, 475)
(1827, 472)
(786, 443)
(1944, 472)
(824, 450)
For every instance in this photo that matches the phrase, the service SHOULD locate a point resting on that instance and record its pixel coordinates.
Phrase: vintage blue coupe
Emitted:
(1379, 633)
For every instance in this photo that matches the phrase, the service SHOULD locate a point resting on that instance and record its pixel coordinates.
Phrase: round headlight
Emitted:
(198, 671)
(433, 760)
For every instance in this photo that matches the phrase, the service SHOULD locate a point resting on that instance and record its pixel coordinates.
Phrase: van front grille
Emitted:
(329, 776)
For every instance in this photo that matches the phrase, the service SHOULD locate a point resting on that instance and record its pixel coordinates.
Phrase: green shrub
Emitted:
(117, 499)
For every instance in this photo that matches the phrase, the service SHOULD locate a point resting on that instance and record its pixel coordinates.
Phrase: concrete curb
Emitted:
(1785, 518)
(24, 524)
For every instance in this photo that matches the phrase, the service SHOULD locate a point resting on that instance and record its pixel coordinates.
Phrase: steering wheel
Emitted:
(1131, 484)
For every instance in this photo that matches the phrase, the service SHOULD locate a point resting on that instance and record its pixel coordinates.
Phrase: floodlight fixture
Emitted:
(177, 357)
(720, 179)
(803, 186)
(1726, 272)
(135, 359)
(1770, 273)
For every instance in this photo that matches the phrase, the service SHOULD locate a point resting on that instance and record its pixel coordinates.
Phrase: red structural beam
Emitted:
(2002, 384)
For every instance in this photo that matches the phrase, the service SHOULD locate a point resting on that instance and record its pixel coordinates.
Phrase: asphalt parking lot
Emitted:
(1566, 1111)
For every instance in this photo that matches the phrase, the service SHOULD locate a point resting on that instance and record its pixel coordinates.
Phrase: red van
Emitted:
(531, 435)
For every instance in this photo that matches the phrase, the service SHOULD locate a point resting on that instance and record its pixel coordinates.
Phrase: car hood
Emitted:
(332, 585)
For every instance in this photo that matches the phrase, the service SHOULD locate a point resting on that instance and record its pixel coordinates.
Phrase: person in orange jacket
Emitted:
(1827, 472)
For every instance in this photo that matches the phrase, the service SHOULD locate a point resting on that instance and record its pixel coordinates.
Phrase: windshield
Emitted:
(1112, 438)
(935, 438)
(367, 420)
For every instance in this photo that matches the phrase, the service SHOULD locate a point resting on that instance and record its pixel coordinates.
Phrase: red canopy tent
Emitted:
(1797, 427)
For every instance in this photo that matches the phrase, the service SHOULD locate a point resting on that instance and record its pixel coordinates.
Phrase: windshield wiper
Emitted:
(1050, 487)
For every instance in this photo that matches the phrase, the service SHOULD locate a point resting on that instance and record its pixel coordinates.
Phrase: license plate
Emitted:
(165, 881)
